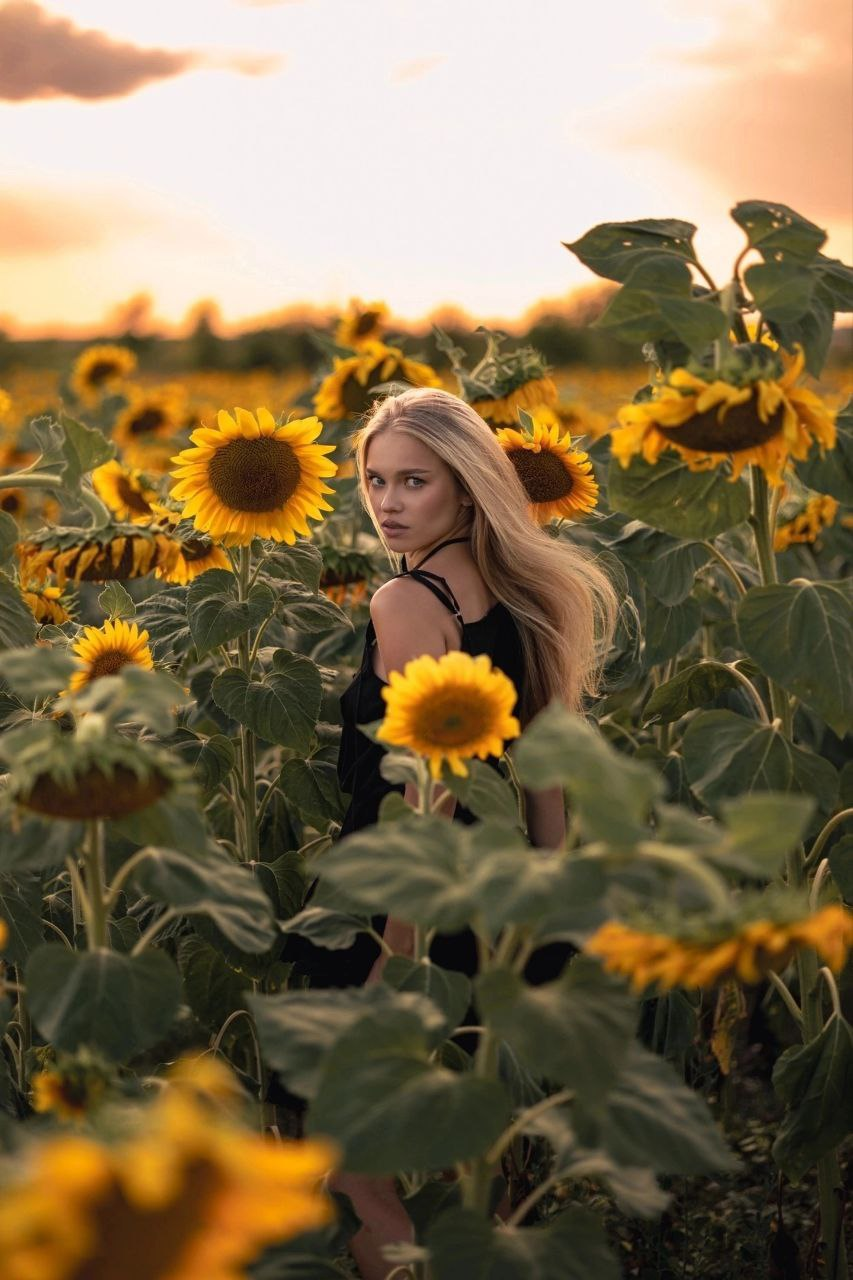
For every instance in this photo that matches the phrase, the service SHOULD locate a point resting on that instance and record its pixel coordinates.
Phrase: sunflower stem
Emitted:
(247, 738)
(28, 480)
(827, 830)
(93, 860)
(726, 564)
(761, 529)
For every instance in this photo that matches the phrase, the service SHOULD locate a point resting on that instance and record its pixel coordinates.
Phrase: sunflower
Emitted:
(580, 420)
(251, 478)
(144, 429)
(345, 575)
(69, 1092)
(558, 479)
(759, 416)
(46, 604)
(361, 324)
(195, 557)
(183, 1192)
(100, 369)
(107, 649)
(819, 512)
(449, 709)
(14, 503)
(746, 953)
(345, 393)
(5, 405)
(126, 495)
(116, 554)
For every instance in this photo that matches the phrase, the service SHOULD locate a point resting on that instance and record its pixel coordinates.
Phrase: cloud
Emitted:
(772, 117)
(416, 68)
(46, 56)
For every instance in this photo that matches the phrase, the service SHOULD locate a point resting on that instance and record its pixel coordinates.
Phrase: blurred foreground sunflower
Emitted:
(557, 478)
(747, 952)
(105, 650)
(99, 369)
(124, 491)
(345, 393)
(449, 709)
(116, 553)
(362, 323)
(185, 1193)
(252, 478)
(807, 525)
(752, 412)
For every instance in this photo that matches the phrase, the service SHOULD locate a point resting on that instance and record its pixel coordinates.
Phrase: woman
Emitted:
(440, 489)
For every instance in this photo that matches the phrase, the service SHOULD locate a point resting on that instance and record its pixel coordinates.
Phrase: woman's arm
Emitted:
(546, 817)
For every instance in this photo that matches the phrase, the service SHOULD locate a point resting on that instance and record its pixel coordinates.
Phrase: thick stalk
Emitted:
(763, 535)
(93, 861)
(247, 738)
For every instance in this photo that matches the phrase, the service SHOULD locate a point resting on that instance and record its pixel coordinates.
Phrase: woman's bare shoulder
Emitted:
(409, 621)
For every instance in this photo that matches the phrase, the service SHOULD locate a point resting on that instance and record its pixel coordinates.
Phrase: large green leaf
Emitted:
(487, 795)
(575, 1030)
(211, 886)
(782, 291)
(37, 844)
(282, 707)
(300, 563)
(298, 1029)
(667, 495)
(669, 628)
(653, 1119)
(450, 991)
(801, 636)
(816, 1082)
(174, 821)
(390, 1107)
(666, 565)
(463, 1245)
(10, 535)
(727, 755)
(640, 315)
(164, 615)
(20, 910)
(212, 987)
(559, 748)
(614, 249)
(117, 1004)
(311, 786)
(116, 601)
(17, 624)
(831, 470)
(761, 829)
(217, 616)
(326, 928)
(693, 687)
(35, 673)
(778, 231)
(83, 449)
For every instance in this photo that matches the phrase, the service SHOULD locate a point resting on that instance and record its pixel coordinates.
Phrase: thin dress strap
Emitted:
(443, 591)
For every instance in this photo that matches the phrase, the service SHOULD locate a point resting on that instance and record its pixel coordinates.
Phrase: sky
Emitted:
(264, 153)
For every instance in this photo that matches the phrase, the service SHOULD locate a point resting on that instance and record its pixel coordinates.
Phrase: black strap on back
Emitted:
(442, 592)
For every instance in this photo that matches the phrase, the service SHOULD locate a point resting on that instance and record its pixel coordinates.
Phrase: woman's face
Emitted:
(416, 499)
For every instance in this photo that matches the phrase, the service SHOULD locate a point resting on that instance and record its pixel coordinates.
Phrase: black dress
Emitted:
(494, 634)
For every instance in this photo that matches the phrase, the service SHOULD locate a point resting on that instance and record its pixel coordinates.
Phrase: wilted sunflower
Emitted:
(124, 492)
(449, 709)
(107, 649)
(195, 556)
(558, 479)
(118, 553)
(186, 1194)
(345, 393)
(99, 369)
(818, 513)
(362, 323)
(46, 604)
(747, 952)
(755, 414)
(251, 478)
(146, 427)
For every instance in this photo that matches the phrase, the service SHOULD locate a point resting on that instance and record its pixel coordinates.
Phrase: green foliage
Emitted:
(116, 602)
(281, 707)
(17, 624)
(464, 1246)
(671, 497)
(816, 1082)
(217, 616)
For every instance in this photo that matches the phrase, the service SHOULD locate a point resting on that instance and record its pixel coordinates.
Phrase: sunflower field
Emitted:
(183, 598)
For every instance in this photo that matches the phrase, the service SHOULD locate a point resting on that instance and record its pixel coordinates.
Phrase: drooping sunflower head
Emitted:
(503, 381)
(449, 709)
(125, 492)
(254, 478)
(808, 523)
(362, 323)
(105, 650)
(100, 369)
(345, 575)
(759, 416)
(557, 478)
(116, 553)
(346, 392)
(146, 427)
(47, 604)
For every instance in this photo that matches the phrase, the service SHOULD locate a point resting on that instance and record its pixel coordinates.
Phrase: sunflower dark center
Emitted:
(543, 475)
(254, 475)
(452, 720)
(100, 371)
(95, 794)
(366, 323)
(741, 428)
(131, 497)
(146, 420)
(108, 663)
(357, 398)
(10, 502)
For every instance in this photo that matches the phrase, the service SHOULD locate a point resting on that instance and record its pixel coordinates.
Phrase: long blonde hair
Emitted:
(563, 603)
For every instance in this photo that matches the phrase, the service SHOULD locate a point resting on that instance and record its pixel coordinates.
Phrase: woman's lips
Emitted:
(390, 526)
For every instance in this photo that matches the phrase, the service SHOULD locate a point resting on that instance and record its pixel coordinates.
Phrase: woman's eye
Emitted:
(415, 481)
(374, 481)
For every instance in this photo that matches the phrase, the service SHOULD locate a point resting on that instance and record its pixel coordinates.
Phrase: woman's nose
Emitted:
(390, 500)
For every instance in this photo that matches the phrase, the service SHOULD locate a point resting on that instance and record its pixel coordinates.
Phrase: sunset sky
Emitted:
(266, 152)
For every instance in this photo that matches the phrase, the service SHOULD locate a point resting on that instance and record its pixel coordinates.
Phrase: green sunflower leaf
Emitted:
(311, 786)
(449, 991)
(17, 624)
(303, 562)
(801, 635)
(282, 707)
(782, 291)
(116, 1004)
(668, 496)
(831, 470)
(669, 628)
(727, 755)
(695, 686)
(217, 616)
(613, 249)
(816, 1082)
(20, 909)
(667, 565)
(10, 535)
(35, 673)
(463, 1245)
(116, 602)
(212, 987)
(778, 231)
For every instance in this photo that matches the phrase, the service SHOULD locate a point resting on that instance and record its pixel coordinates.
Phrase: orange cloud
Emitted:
(46, 56)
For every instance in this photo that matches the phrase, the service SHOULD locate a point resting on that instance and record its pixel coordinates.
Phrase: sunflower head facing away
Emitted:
(449, 709)
(751, 412)
(345, 575)
(47, 604)
(105, 650)
(808, 524)
(345, 393)
(557, 478)
(124, 491)
(253, 478)
(100, 369)
(362, 323)
(503, 381)
(117, 553)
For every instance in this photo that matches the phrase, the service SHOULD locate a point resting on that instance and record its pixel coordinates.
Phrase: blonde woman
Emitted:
(477, 574)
